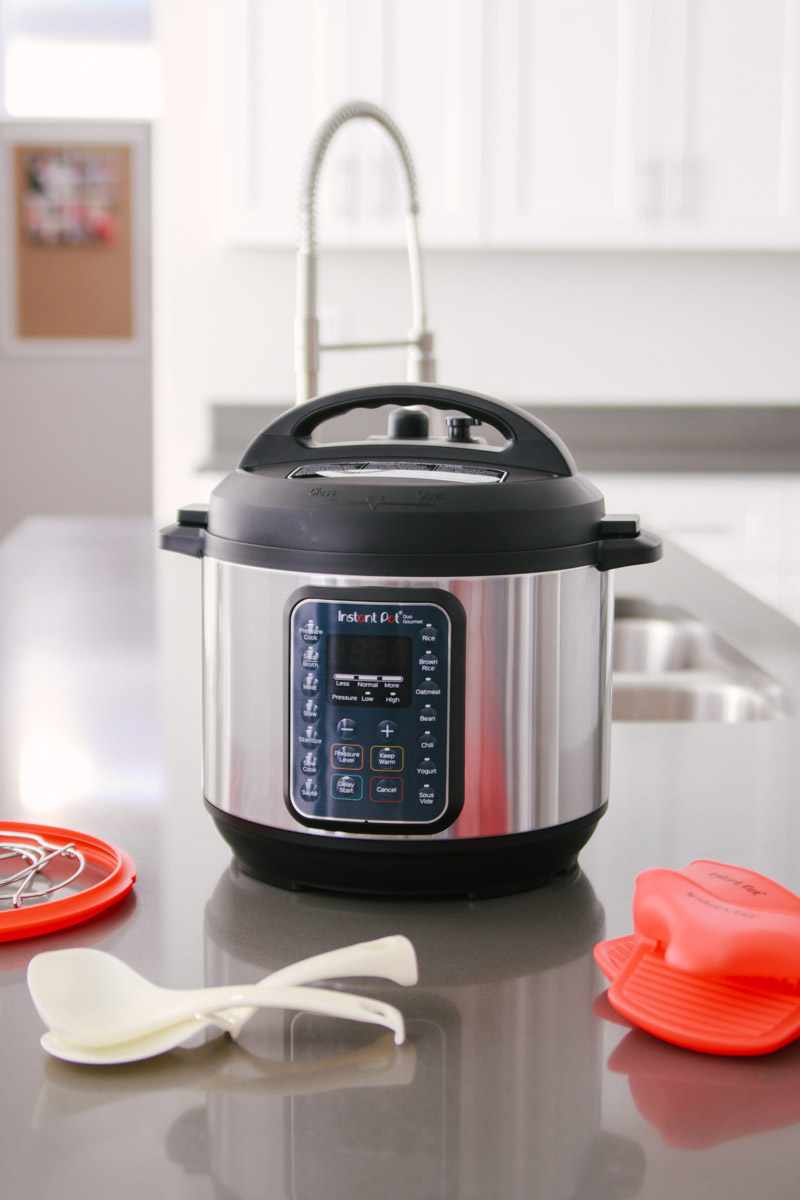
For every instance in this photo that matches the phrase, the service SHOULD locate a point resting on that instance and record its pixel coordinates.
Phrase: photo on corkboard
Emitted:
(71, 197)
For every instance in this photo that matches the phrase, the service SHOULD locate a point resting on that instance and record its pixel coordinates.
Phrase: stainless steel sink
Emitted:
(668, 666)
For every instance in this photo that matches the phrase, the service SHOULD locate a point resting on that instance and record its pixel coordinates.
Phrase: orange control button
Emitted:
(386, 758)
(345, 756)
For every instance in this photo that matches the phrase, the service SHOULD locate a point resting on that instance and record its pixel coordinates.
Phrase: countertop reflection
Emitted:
(517, 1079)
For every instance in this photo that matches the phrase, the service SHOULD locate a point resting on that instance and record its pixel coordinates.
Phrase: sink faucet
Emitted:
(421, 363)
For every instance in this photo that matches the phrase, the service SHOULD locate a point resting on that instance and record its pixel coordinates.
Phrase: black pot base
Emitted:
(473, 867)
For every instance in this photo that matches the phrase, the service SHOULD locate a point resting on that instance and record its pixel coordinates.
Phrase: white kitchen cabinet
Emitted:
(555, 168)
(716, 150)
(643, 123)
(291, 65)
(532, 123)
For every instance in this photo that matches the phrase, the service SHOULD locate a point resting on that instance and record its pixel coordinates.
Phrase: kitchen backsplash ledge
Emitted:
(625, 437)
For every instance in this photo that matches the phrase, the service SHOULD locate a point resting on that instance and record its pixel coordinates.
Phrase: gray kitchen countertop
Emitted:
(514, 1082)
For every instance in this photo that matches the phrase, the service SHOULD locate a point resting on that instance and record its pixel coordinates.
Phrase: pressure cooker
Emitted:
(407, 648)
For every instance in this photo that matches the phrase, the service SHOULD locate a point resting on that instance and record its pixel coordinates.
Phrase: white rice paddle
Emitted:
(99, 1010)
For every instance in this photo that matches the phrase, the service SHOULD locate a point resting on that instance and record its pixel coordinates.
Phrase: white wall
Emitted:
(75, 437)
(523, 326)
(75, 417)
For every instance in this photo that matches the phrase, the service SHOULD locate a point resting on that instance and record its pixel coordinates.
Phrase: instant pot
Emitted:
(407, 648)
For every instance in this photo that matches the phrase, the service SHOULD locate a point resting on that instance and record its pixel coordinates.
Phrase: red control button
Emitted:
(386, 791)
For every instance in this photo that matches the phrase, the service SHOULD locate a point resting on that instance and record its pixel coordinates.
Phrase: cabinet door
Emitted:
(717, 135)
(743, 118)
(291, 65)
(558, 146)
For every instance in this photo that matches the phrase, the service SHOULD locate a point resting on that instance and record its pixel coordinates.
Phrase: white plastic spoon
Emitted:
(100, 1010)
(392, 957)
(396, 1070)
(101, 1028)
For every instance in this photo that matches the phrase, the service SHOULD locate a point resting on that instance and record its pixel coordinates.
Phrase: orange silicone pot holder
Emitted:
(714, 960)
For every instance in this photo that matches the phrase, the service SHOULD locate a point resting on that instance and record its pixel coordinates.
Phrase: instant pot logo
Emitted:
(359, 618)
(372, 618)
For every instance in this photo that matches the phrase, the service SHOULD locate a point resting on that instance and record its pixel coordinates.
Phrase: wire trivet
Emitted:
(35, 853)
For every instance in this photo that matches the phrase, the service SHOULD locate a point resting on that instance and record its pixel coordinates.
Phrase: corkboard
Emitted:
(75, 281)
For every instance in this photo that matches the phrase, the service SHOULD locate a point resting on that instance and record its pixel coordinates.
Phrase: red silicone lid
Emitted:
(109, 875)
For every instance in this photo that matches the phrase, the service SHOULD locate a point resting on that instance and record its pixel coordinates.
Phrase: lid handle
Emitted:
(530, 443)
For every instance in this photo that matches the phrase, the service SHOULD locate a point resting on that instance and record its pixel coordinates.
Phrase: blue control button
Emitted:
(346, 757)
(386, 791)
(386, 758)
(347, 729)
(386, 730)
(310, 631)
(309, 790)
(427, 741)
(347, 787)
(426, 794)
(427, 769)
(310, 659)
(428, 635)
(427, 716)
(428, 661)
(310, 685)
(310, 738)
(310, 710)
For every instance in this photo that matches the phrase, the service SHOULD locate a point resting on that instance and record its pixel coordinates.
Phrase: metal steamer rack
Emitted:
(51, 878)
(35, 853)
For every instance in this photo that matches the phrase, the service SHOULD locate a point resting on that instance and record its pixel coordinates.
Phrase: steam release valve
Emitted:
(458, 428)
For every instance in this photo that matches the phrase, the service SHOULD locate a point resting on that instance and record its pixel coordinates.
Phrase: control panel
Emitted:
(370, 709)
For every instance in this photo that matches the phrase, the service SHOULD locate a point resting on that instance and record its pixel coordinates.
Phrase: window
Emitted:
(78, 59)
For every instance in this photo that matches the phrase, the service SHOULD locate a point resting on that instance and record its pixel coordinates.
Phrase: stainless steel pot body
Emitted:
(537, 696)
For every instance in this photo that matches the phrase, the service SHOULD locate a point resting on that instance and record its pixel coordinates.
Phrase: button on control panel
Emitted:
(370, 711)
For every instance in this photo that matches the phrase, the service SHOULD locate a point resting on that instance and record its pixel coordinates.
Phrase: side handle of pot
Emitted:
(187, 535)
(623, 544)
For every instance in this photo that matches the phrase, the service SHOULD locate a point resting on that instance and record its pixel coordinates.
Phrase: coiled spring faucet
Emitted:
(421, 363)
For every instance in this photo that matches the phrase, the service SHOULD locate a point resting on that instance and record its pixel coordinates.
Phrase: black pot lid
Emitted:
(408, 504)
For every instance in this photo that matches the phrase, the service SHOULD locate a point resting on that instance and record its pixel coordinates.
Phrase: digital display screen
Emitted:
(369, 669)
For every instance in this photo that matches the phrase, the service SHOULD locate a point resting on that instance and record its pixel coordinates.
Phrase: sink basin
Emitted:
(668, 666)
